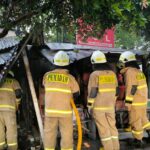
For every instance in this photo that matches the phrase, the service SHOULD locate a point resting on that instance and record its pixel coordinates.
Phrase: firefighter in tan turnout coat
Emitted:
(60, 88)
(102, 89)
(136, 95)
(10, 94)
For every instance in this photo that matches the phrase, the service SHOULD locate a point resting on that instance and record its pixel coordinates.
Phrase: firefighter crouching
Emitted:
(60, 88)
(102, 90)
(136, 95)
(10, 94)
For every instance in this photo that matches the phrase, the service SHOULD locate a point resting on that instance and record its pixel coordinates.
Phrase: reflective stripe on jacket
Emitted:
(135, 77)
(8, 99)
(106, 82)
(59, 88)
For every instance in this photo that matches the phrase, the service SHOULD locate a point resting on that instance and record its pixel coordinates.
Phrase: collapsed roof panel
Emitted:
(57, 46)
(8, 56)
(8, 52)
(70, 46)
(7, 48)
(5, 57)
(8, 42)
(77, 52)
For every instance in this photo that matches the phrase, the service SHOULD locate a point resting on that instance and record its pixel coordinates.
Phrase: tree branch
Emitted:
(21, 18)
(4, 33)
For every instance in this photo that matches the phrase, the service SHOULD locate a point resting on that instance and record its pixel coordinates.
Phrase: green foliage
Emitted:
(127, 40)
(102, 14)
(146, 30)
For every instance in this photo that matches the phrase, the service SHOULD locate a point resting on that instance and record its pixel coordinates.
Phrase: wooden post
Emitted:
(33, 93)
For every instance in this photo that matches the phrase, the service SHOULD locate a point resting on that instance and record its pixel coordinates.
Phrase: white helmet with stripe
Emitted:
(61, 59)
(127, 57)
(98, 57)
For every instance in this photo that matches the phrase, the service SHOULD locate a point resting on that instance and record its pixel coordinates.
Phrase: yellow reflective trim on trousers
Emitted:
(107, 90)
(49, 148)
(58, 111)
(146, 125)
(114, 137)
(7, 106)
(109, 138)
(2, 143)
(104, 108)
(142, 86)
(91, 100)
(12, 144)
(57, 90)
(129, 98)
(106, 139)
(137, 132)
(6, 89)
(139, 104)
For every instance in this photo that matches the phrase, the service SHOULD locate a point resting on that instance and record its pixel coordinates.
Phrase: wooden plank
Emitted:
(33, 94)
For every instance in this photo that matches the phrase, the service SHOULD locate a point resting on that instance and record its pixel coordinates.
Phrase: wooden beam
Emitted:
(33, 93)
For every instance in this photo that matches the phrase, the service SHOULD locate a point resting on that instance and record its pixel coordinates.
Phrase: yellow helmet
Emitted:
(98, 57)
(127, 57)
(61, 59)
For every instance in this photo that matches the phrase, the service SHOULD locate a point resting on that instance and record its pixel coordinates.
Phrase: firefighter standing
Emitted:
(10, 94)
(102, 89)
(60, 88)
(136, 95)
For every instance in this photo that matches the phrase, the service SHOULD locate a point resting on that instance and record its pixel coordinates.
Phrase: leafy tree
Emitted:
(146, 30)
(23, 15)
(128, 40)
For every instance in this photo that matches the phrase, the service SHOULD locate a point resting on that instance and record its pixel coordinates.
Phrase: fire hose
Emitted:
(78, 124)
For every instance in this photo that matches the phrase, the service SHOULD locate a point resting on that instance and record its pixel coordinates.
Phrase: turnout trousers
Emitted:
(107, 130)
(139, 122)
(8, 130)
(51, 129)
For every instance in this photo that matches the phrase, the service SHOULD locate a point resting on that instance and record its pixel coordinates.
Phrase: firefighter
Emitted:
(102, 90)
(135, 95)
(60, 88)
(10, 95)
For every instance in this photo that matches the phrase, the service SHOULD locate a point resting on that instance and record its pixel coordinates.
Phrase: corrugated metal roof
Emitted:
(77, 52)
(70, 46)
(8, 42)
(5, 57)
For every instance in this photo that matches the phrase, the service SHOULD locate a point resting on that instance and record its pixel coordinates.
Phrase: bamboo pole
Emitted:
(33, 93)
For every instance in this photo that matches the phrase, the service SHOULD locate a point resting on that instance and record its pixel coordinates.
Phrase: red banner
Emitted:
(106, 41)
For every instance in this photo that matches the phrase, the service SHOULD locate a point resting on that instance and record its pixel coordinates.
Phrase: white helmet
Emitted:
(61, 59)
(98, 57)
(127, 57)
